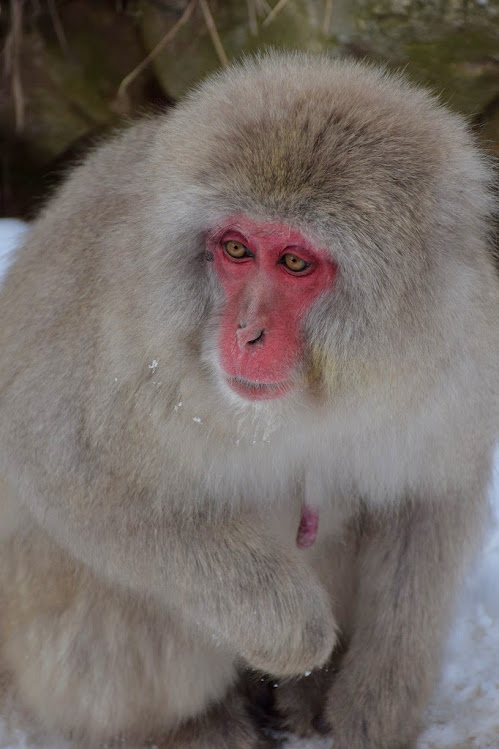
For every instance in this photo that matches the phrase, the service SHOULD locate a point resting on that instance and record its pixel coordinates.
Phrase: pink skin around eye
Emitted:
(259, 342)
(309, 525)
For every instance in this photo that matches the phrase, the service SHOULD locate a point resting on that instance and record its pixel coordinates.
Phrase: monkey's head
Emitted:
(271, 276)
(330, 205)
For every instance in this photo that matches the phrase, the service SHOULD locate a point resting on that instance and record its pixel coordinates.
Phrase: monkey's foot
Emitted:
(290, 706)
(225, 726)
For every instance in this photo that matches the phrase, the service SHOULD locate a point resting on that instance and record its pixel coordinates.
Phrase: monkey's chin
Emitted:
(258, 391)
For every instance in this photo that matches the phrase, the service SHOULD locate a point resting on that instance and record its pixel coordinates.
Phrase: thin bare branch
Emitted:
(128, 79)
(13, 62)
(273, 13)
(327, 17)
(263, 7)
(253, 23)
(58, 27)
(212, 28)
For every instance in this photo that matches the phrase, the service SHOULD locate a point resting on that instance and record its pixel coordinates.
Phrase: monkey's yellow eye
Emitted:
(294, 263)
(235, 249)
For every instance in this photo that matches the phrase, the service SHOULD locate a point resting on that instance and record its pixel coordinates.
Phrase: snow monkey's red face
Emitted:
(271, 275)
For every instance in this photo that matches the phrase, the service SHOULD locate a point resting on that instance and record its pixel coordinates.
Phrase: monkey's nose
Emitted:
(249, 335)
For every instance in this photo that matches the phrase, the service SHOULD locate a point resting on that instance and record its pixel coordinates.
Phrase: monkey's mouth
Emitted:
(258, 390)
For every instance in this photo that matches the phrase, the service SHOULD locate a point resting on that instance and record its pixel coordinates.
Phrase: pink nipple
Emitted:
(307, 530)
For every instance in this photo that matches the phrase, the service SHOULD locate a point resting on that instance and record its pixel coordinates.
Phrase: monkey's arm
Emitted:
(227, 576)
(409, 567)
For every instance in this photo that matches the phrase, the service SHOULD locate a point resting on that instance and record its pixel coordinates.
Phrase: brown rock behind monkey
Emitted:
(163, 423)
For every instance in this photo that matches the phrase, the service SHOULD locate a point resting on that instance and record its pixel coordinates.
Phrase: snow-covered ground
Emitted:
(11, 231)
(464, 712)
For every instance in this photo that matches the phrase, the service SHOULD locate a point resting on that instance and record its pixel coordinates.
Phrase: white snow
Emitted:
(464, 712)
(11, 231)
(465, 709)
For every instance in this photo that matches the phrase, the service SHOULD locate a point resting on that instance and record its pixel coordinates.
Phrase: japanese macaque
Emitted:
(248, 401)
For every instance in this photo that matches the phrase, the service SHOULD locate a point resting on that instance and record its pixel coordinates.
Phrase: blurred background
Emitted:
(74, 69)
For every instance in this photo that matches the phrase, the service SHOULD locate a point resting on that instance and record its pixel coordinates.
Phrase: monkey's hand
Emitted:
(292, 630)
(264, 601)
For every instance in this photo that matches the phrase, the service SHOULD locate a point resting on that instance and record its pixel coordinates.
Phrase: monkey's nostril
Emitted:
(257, 338)
(249, 335)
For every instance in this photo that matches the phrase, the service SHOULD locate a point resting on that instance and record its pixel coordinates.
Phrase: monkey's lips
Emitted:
(256, 391)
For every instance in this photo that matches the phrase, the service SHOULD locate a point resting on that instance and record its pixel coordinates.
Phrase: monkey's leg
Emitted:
(94, 662)
(409, 565)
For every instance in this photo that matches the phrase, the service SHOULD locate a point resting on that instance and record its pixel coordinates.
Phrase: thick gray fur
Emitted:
(147, 516)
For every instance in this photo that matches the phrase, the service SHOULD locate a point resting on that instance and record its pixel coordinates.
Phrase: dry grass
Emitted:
(260, 15)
